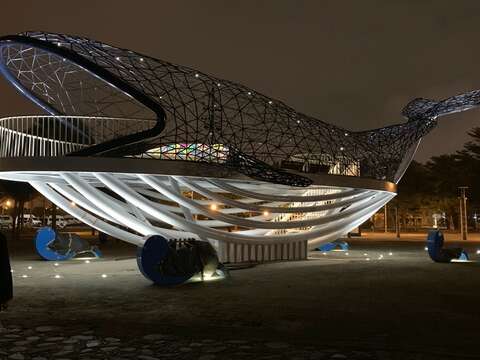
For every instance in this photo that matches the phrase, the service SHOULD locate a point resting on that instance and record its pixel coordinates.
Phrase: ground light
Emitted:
(217, 275)
(84, 258)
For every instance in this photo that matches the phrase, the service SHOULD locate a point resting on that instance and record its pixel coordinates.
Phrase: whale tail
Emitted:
(426, 109)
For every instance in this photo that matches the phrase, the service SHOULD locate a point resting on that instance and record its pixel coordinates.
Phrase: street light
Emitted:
(463, 212)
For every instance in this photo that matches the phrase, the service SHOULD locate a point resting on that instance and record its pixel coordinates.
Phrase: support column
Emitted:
(385, 217)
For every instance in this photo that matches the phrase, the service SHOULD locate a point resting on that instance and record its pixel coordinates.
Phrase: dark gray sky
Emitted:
(352, 63)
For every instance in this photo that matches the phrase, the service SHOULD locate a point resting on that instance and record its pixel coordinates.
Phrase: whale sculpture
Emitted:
(147, 149)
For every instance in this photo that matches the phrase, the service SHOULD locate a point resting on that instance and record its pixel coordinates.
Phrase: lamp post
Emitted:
(397, 222)
(463, 212)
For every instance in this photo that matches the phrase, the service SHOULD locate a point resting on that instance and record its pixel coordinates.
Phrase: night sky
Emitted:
(352, 63)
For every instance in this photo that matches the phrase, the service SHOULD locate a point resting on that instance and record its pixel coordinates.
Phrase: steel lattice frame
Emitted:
(199, 117)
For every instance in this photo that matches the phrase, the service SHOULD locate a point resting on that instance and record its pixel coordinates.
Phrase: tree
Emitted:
(21, 192)
(435, 184)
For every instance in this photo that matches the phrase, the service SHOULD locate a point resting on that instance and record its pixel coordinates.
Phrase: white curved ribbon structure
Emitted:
(232, 213)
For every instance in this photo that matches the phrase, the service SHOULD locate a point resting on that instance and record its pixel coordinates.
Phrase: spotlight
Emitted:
(24, 276)
(73, 203)
(87, 261)
(266, 213)
(368, 259)
(347, 253)
(29, 268)
(57, 276)
(390, 254)
(213, 207)
(324, 253)
(425, 248)
(56, 264)
(104, 276)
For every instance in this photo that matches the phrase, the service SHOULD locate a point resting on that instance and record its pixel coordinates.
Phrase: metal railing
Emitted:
(61, 135)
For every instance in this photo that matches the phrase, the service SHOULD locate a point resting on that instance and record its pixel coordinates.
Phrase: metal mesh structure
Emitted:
(200, 117)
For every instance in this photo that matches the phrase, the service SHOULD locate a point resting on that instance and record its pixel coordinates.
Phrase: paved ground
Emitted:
(364, 305)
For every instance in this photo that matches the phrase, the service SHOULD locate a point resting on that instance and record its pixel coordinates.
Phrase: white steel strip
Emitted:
(174, 220)
(85, 217)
